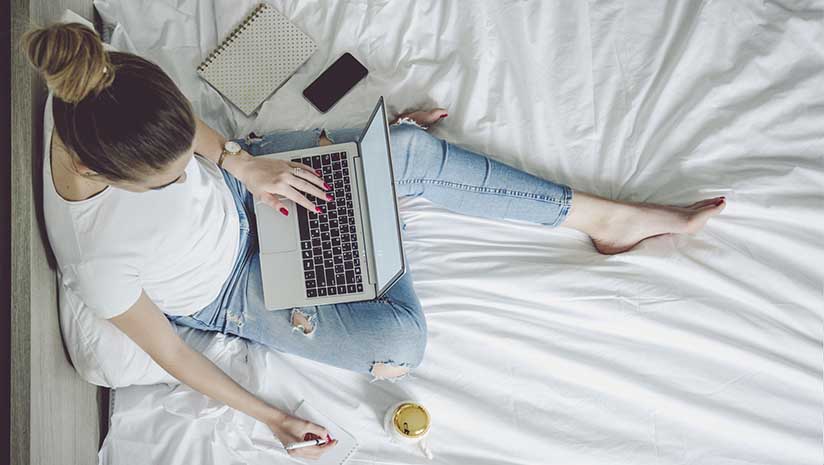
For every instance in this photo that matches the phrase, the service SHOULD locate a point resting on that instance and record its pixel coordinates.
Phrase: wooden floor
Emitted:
(55, 416)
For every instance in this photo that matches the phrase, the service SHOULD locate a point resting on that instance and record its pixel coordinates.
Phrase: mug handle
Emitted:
(425, 449)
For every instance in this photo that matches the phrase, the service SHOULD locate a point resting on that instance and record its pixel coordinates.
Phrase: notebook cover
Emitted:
(256, 58)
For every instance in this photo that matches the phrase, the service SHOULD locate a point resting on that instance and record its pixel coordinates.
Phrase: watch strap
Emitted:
(223, 153)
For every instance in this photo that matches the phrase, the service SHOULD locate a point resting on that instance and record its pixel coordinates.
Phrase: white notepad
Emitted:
(262, 438)
(256, 58)
(347, 444)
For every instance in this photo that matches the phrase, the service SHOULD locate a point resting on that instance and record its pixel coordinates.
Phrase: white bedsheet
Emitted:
(687, 350)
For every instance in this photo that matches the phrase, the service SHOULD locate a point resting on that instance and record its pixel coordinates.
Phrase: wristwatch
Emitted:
(230, 148)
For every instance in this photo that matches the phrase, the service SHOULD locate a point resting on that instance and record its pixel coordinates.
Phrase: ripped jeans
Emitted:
(389, 331)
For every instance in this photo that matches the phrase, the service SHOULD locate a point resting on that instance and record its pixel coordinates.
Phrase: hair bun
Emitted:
(71, 59)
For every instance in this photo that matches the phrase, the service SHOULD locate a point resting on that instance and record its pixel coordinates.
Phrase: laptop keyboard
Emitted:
(328, 241)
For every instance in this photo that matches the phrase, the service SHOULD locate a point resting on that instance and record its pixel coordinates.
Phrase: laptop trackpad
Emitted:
(277, 233)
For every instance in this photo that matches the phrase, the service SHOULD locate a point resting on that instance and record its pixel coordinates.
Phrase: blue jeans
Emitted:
(392, 329)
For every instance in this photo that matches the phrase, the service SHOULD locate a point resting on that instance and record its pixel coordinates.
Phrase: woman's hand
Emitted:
(272, 180)
(149, 328)
(289, 429)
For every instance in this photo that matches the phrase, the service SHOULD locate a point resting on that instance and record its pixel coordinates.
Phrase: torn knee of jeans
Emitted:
(303, 322)
(251, 138)
(234, 318)
(389, 371)
(323, 138)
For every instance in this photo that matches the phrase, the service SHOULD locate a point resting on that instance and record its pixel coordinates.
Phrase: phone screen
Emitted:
(335, 82)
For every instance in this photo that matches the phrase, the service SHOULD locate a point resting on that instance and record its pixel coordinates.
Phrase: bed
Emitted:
(687, 350)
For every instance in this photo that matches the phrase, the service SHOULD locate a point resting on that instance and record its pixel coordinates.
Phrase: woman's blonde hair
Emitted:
(71, 59)
(118, 113)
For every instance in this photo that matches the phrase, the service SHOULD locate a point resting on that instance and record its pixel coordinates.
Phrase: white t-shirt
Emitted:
(178, 244)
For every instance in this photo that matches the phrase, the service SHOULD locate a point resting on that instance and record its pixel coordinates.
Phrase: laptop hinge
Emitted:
(366, 226)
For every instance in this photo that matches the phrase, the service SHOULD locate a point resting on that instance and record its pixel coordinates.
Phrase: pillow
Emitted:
(105, 356)
(100, 352)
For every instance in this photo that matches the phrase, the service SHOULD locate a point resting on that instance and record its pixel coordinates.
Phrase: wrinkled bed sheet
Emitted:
(687, 350)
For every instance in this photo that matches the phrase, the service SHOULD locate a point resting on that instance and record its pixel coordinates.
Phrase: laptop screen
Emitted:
(380, 194)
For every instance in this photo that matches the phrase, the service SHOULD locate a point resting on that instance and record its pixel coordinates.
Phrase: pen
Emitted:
(299, 445)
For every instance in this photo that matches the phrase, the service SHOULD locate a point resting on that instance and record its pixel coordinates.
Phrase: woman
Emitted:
(145, 232)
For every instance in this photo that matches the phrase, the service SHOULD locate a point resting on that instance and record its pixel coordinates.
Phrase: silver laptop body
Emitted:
(351, 252)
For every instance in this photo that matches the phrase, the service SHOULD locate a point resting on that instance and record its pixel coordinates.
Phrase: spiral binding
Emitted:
(232, 35)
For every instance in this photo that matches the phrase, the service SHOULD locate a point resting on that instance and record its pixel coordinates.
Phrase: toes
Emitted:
(717, 205)
(706, 202)
(711, 209)
(427, 117)
(700, 217)
(437, 114)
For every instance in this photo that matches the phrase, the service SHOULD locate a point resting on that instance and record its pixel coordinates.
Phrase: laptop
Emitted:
(353, 250)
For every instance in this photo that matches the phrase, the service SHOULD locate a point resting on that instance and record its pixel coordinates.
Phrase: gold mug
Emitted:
(408, 422)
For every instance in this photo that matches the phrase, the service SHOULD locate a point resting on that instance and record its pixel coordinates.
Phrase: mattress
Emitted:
(702, 349)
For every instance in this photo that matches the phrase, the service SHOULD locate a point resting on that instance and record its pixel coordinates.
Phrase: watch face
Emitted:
(232, 147)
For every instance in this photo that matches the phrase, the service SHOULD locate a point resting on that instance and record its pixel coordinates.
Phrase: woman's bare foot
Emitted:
(616, 227)
(423, 118)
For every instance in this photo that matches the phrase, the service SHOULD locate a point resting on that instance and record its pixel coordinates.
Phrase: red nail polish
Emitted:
(317, 209)
(444, 115)
(284, 211)
(326, 186)
(328, 197)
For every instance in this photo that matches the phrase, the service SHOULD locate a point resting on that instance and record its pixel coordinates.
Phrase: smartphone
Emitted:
(325, 91)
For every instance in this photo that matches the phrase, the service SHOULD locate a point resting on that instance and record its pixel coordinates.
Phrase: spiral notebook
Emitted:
(256, 58)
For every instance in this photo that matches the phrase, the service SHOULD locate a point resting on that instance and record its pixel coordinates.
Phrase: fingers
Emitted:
(304, 186)
(330, 442)
(317, 430)
(313, 432)
(301, 200)
(312, 453)
(308, 169)
(308, 173)
(275, 203)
